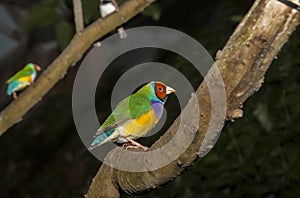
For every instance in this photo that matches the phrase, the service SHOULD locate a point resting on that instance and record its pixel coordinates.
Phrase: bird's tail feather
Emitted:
(11, 87)
(100, 139)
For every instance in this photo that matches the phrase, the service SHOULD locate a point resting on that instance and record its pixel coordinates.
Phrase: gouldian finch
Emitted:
(134, 116)
(108, 7)
(22, 79)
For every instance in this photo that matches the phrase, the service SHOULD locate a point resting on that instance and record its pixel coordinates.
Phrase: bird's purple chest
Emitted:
(158, 108)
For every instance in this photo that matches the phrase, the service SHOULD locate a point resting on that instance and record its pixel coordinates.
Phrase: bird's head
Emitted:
(33, 66)
(161, 90)
(37, 67)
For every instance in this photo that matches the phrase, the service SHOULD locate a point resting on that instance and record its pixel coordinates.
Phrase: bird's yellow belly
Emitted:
(141, 125)
(26, 79)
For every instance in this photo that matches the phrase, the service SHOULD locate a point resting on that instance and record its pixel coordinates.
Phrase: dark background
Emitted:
(256, 156)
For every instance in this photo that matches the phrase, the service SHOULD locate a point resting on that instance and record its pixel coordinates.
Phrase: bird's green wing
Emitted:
(26, 71)
(129, 108)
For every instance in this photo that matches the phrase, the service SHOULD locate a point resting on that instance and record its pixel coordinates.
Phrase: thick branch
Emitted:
(78, 16)
(58, 68)
(243, 63)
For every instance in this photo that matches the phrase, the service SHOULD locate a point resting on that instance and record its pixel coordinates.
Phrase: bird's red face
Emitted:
(37, 68)
(162, 90)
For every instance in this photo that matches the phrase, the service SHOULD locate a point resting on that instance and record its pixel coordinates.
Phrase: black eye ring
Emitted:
(160, 89)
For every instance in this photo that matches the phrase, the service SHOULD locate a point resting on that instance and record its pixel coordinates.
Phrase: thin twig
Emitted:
(78, 15)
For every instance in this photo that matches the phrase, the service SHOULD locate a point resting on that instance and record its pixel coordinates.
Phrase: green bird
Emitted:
(22, 79)
(134, 116)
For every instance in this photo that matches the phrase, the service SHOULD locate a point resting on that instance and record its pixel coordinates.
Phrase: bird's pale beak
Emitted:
(169, 90)
(37, 68)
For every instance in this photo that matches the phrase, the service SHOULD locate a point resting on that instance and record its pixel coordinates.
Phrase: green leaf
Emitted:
(262, 115)
(90, 10)
(154, 11)
(42, 14)
(64, 33)
(236, 18)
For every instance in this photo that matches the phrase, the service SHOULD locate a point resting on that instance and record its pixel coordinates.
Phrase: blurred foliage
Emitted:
(236, 18)
(64, 31)
(263, 117)
(52, 13)
(154, 11)
(42, 14)
(90, 10)
(55, 13)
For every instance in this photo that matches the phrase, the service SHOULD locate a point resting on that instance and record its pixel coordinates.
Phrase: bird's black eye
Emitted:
(160, 89)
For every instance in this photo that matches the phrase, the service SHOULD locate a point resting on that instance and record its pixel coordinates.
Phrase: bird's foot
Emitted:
(135, 147)
(125, 145)
(135, 144)
(15, 96)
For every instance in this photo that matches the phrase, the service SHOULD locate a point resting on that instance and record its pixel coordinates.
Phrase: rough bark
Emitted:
(80, 43)
(243, 62)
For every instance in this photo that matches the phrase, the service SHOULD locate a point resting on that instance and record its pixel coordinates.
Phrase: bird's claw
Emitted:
(15, 96)
(127, 147)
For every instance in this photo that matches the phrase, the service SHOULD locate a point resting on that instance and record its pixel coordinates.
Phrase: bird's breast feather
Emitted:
(141, 125)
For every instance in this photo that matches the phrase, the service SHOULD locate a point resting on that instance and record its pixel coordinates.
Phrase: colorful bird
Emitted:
(134, 116)
(22, 79)
(108, 7)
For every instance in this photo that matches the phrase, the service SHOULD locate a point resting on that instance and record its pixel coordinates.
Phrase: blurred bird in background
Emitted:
(22, 79)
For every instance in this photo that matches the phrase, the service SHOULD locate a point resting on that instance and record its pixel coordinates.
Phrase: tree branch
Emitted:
(68, 58)
(243, 63)
(78, 16)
